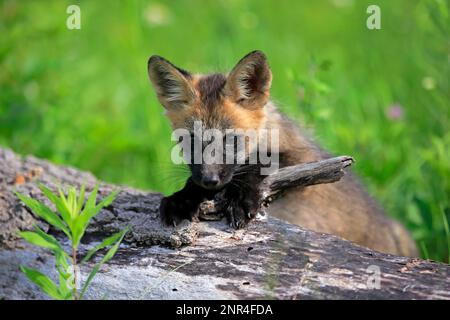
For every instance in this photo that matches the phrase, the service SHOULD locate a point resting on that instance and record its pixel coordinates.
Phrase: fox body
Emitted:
(241, 99)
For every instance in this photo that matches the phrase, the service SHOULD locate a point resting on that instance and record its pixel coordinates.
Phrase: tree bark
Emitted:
(207, 260)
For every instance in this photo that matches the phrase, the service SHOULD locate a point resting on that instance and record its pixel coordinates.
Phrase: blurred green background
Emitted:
(82, 97)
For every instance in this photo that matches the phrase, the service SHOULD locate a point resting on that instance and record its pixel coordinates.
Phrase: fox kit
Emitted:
(240, 100)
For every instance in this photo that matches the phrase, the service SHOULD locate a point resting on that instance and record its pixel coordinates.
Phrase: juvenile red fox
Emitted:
(240, 100)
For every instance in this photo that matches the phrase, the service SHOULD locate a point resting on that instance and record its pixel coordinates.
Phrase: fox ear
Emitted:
(249, 82)
(172, 85)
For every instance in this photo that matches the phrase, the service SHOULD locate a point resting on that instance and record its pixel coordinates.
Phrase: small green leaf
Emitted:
(45, 283)
(42, 239)
(108, 256)
(77, 235)
(90, 203)
(62, 266)
(48, 193)
(65, 292)
(61, 260)
(108, 200)
(112, 251)
(64, 277)
(44, 212)
(80, 202)
(90, 277)
(90, 211)
(72, 202)
(105, 243)
(58, 204)
(51, 239)
(65, 203)
(37, 240)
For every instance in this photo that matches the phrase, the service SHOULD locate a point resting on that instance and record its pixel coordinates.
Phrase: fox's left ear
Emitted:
(249, 82)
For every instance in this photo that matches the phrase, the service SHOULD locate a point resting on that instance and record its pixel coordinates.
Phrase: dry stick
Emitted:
(301, 175)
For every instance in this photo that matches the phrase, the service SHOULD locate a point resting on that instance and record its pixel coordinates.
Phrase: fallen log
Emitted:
(204, 260)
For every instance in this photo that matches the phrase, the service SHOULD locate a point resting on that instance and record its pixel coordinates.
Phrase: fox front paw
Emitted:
(173, 210)
(241, 209)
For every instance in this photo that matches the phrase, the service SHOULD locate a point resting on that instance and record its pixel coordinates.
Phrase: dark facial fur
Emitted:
(211, 176)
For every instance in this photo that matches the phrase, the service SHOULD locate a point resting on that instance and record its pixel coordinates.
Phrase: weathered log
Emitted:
(204, 260)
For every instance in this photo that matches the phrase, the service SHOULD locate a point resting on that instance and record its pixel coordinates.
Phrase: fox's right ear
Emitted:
(173, 85)
(249, 82)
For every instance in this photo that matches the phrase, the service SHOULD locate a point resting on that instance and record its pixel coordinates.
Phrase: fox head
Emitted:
(219, 101)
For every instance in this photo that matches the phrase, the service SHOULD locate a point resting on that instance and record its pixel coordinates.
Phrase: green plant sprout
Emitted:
(72, 217)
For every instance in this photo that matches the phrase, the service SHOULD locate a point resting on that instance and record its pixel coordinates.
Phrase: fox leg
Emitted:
(243, 199)
(183, 204)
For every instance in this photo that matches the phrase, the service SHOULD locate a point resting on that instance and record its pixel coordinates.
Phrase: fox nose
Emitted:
(211, 181)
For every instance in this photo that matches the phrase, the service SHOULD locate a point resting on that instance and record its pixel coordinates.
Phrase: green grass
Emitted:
(83, 97)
